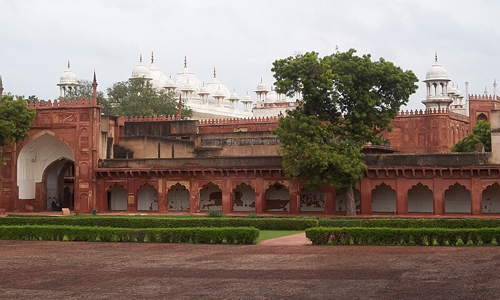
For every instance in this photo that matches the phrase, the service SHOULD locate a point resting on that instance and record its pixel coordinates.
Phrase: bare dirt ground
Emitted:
(78, 270)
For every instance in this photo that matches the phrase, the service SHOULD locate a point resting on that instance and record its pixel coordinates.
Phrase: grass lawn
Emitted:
(271, 234)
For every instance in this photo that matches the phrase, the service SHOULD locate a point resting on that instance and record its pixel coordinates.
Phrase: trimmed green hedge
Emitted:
(233, 235)
(152, 222)
(404, 236)
(411, 223)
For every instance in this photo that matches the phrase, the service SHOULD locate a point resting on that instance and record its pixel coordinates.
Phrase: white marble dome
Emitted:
(247, 99)
(436, 72)
(261, 87)
(68, 77)
(216, 88)
(169, 83)
(186, 76)
(158, 78)
(140, 71)
(272, 96)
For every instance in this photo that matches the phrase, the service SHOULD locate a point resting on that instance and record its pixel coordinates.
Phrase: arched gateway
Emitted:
(45, 173)
(54, 167)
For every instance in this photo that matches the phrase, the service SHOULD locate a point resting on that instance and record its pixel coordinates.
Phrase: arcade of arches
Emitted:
(260, 195)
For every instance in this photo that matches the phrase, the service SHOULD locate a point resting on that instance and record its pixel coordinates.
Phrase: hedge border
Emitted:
(233, 235)
(404, 236)
(412, 223)
(152, 222)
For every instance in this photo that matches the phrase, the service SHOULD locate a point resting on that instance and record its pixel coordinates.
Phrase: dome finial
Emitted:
(152, 57)
(436, 57)
(185, 61)
(68, 64)
(140, 58)
(215, 74)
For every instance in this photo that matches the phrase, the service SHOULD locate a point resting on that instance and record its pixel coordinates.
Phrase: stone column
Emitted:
(227, 203)
(476, 192)
(366, 196)
(330, 195)
(438, 193)
(401, 196)
(194, 196)
(260, 205)
(162, 196)
(102, 201)
(131, 196)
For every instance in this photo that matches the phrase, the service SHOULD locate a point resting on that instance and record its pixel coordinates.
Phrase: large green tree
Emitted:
(15, 120)
(347, 101)
(138, 98)
(481, 133)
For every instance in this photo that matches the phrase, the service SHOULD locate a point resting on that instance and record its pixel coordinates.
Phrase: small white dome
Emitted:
(217, 89)
(158, 78)
(234, 96)
(185, 76)
(272, 96)
(169, 83)
(247, 99)
(187, 87)
(436, 72)
(140, 71)
(219, 94)
(452, 90)
(203, 90)
(261, 87)
(68, 77)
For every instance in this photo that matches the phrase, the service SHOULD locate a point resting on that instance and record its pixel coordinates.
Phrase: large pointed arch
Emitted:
(35, 157)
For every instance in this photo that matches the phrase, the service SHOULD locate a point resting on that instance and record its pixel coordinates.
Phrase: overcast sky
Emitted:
(240, 38)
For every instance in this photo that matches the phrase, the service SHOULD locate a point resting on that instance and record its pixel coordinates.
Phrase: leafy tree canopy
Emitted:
(85, 91)
(15, 119)
(310, 149)
(347, 101)
(481, 133)
(367, 94)
(138, 98)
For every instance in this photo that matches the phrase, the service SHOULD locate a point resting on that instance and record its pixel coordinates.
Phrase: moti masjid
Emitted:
(226, 157)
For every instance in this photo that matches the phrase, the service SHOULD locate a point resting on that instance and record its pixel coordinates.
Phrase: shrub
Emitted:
(411, 223)
(158, 222)
(216, 214)
(404, 236)
(233, 235)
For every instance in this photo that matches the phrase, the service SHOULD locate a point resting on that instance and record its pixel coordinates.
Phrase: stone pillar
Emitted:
(476, 196)
(330, 195)
(162, 196)
(366, 196)
(227, 203)
(194, 196)
(260, 194)
(131, 197)
(102, 199)
(294, 196)
(438, 193)
(401, 197)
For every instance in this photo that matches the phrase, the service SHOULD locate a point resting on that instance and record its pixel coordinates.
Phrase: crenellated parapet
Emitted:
(232, 121)
(153, 118)
(62, 103)
(483, 97)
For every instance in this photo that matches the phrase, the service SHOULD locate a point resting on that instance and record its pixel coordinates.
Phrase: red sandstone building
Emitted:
(75, 157)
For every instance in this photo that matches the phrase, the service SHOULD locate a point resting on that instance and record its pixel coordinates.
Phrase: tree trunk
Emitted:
(350, 204)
